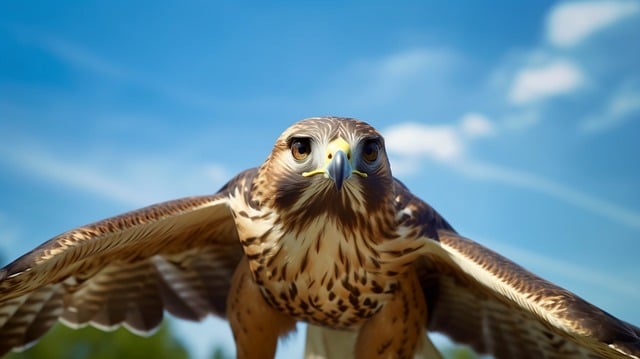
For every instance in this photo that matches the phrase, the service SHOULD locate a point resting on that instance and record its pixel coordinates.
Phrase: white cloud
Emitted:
(408, 142)
(570, 23)
(438, 142)
(540, 82)
(620, 108)
(476, 125)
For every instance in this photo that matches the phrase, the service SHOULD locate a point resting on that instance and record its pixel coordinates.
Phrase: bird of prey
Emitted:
(322, 233)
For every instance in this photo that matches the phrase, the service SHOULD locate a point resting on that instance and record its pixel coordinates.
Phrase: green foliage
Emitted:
(65, 343)
(458, 352)
(219, 353)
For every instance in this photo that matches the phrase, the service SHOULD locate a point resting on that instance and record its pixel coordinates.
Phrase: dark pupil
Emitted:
(370, 148)
(301, 147)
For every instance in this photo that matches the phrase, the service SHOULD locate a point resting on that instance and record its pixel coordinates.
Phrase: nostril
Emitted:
(330, 156)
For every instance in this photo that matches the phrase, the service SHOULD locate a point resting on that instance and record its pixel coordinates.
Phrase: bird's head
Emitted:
(330, 165)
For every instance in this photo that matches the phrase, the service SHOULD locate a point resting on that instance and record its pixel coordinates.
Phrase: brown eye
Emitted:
(370, 151)
(300, 148)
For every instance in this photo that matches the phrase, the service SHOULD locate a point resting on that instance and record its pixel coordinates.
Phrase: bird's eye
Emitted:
(370, 151)
(300, 148)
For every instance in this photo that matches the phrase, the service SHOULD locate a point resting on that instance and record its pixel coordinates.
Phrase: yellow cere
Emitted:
(339, 144)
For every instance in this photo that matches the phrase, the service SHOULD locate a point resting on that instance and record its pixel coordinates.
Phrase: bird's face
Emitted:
(331, 165)
(338, 165)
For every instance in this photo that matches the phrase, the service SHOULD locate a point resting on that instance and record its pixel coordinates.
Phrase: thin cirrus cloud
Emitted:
(387, 79)
(80, 58)
(546, 186)
(67, 52)
(622, 106)
(447, 144)
(569, 24)
(122, 181)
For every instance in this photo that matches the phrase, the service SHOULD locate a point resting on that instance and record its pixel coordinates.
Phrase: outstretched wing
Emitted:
(480, 298)
(126, 270)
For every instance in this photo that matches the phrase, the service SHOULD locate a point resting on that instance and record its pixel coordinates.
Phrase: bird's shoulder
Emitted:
(412, 211)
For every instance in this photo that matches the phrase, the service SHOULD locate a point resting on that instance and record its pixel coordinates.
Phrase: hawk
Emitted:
(321, 232)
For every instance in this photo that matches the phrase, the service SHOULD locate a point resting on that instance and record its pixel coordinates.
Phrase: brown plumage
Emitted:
(320, 233)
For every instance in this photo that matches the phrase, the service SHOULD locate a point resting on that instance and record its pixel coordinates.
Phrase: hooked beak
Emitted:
(339, 169)
(337, 163)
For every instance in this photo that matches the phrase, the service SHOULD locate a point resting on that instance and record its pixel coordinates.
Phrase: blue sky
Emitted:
(518, 121)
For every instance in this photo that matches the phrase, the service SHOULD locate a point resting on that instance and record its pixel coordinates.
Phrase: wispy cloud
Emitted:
(521, 120)
(80, 58)
(536, 83)
(475, 124)
(408, 63)
(411, 143)
(624, 105)
(565, 193)
(384, 79)
(126, 178)
(570, 23)
(67, 52)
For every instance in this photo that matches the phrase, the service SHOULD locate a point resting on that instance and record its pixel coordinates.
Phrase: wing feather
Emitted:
(177, 256)
(518, 313)
(483, 299)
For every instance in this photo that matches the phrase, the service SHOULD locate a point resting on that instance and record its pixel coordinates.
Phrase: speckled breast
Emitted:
(343, 302)
(322, 277)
